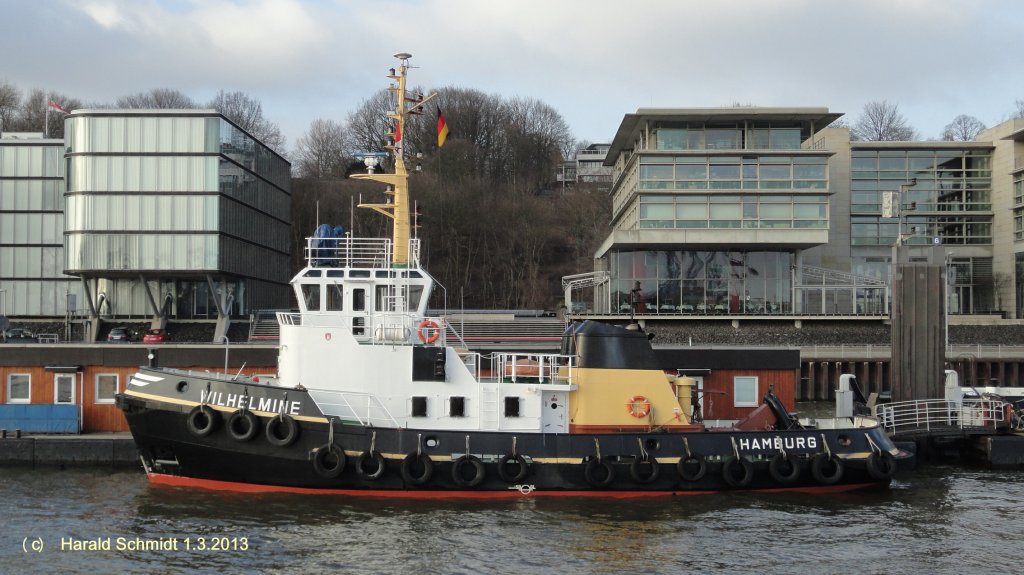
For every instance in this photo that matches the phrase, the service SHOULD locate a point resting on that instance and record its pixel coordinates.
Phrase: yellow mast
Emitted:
(397, 206)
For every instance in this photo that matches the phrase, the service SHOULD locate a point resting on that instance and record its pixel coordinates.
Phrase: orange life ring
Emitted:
(638, 406)
(428, 331)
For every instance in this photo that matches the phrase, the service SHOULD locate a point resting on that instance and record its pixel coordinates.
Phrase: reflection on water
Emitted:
(938, 519)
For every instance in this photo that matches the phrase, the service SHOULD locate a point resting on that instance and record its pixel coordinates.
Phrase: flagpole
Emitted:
(46, 115)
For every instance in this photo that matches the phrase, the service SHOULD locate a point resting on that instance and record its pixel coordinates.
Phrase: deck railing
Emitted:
(941, 417)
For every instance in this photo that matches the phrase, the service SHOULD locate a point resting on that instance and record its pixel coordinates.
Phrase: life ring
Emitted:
(737, 471)
(274, 432)
(428, 331)
(329, 461)
(370, 473)
(881, 466)
(785, 468)
(479, 472)
(409, 471)
(638, 406)
(202, 420)
(520, 461)
(685, 464)
(636, 470)
(594, 477)
(243, 425)
(826, 468)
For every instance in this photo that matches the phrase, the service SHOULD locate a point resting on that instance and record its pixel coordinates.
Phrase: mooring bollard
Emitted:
(3, 434)
(17, 434)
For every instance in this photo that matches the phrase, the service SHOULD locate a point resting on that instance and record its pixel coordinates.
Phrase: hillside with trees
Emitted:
(496, 232)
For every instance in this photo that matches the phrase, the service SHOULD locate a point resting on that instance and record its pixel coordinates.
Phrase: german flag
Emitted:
(442, 128)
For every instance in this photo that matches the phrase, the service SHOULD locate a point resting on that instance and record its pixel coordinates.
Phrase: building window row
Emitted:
(31, 262)
(675, 136)
(670, 281)
(140, 174)
(31, 195)
(730, 211)
(119, 213)
(32, 161)
(733, 172)
(141, 252)
(31, 228)
(921, 230)
(19, 388)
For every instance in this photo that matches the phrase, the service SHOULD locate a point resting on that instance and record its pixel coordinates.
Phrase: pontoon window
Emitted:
(745, 391)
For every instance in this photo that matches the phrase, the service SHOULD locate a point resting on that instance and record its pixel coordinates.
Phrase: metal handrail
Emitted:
(343, 405)
(538, 367)
(940, 415)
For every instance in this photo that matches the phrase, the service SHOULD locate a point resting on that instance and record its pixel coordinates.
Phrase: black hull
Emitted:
(556, 463)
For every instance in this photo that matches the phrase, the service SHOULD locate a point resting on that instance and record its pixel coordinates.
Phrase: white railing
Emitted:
(940, 416)
(534, 368)
(355, 252)
(363, 408)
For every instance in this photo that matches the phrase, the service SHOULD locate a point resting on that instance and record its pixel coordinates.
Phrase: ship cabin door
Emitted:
(553, 418)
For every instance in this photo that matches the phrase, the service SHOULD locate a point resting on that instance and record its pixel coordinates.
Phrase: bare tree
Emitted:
(10, 99)
(963, 128)
(321, 152)
(35, 114)
(881, 122)
(247, 113)
(368, 126)
(1019, 112)
(162, 98)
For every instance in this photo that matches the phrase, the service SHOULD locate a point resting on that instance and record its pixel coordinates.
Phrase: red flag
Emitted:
(398, 132)
(56, 107)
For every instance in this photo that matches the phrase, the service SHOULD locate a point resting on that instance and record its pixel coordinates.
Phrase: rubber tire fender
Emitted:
(479, 471)
(779, 471)
(407, 468)
(291, 430)
(684, 462)
(636, 475)
(250, 420)
(730, 476)
(202, 420)
(524, 468)
(881, 466)
(590, 469)
(364, 458)
(820, 471)
(321, 462)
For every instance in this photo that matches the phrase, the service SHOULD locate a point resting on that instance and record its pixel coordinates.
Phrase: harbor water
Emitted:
(937, 519)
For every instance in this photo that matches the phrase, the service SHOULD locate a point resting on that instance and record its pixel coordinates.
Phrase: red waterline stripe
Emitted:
(161, 479)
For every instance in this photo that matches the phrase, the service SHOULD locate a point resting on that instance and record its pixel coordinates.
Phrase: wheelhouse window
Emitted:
(457, 406)
(311, 296)
(745, 391)
(106, 387)
(19, 388)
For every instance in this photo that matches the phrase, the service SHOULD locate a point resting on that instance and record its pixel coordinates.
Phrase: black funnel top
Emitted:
(600, 345)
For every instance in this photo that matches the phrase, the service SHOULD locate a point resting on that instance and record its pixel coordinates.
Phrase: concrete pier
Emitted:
(89, 450)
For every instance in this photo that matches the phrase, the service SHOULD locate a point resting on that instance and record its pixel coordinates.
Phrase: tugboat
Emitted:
(373, 399)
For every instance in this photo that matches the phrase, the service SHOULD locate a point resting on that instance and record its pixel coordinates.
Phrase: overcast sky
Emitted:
(592, 60)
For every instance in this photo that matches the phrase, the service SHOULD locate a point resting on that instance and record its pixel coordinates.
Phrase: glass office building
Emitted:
(712, 207)
(32, 282)
(174, 208)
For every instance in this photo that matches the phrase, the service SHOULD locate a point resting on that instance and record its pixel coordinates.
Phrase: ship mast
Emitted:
(396, 205)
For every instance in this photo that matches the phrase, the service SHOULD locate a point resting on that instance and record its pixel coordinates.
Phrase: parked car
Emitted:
(119, 335)
(156, 336)
(19, 335)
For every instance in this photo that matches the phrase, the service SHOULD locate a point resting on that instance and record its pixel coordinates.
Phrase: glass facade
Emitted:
(734, 211)
(951, 200)
(178, 197)
(32, 229)
(728, 136)
(680, 281)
